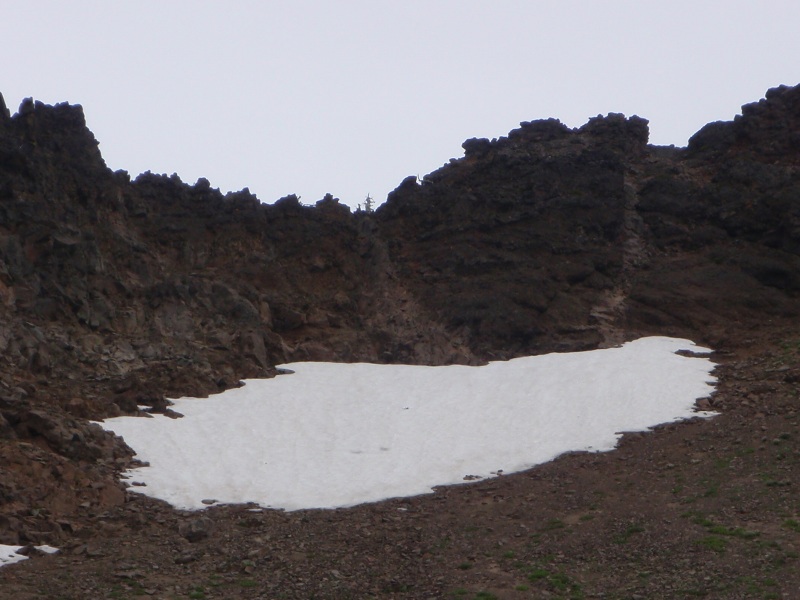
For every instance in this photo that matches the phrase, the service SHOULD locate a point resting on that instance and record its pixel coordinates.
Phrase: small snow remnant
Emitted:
(10, 554)
(332, 435)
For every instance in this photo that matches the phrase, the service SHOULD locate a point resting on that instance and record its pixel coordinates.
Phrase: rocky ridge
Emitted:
(118, 293)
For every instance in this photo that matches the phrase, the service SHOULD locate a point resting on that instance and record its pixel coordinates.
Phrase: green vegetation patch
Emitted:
(713, 542)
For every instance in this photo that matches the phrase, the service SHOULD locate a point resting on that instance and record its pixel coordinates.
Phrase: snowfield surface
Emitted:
(332, 435)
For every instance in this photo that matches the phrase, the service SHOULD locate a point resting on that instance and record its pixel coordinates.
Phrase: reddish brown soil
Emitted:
(706, 508)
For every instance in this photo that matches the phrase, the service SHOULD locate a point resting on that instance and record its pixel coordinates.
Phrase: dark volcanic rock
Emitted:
(766, 131)
(514, 247)
(117, 293)
(565, 239)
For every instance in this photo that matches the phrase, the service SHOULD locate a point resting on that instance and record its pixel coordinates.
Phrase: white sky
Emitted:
(349, 97)
(333, 435)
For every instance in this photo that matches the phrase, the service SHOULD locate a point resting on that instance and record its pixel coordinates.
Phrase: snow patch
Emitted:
(9, 556)
(333, 435)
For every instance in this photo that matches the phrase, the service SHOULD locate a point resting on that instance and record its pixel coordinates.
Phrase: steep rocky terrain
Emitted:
(117, 293)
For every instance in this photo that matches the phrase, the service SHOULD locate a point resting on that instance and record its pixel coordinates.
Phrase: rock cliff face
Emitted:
(116, 293)
(553, 238)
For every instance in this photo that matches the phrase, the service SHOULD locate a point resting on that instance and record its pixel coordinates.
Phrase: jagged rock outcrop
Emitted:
(514, 245)
(554, 238)
(178, 286)
(116, 293)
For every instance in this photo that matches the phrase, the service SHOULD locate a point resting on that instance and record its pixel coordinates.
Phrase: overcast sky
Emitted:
(350, 97)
